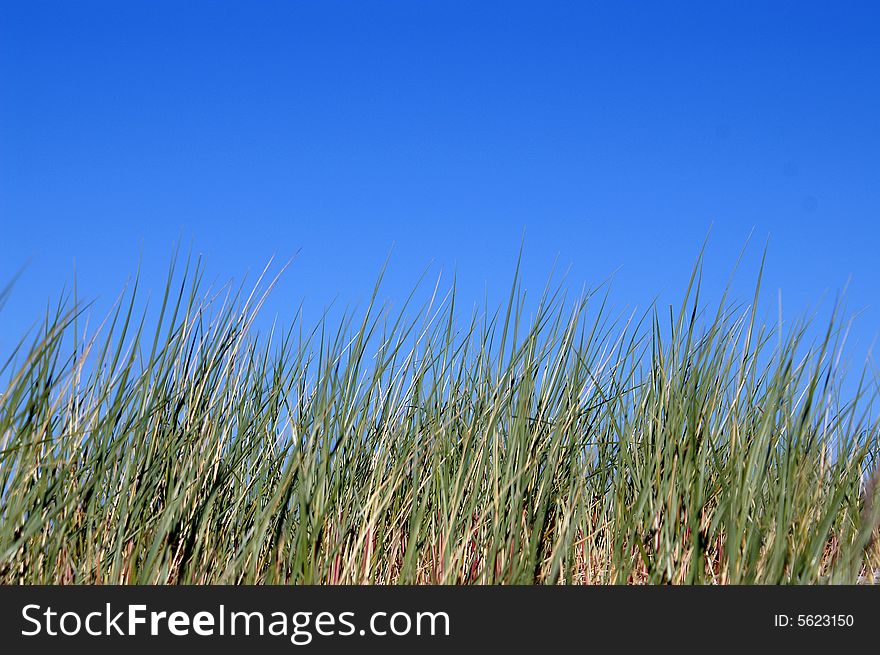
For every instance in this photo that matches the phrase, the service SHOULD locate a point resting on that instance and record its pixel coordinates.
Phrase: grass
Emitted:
(562, 446)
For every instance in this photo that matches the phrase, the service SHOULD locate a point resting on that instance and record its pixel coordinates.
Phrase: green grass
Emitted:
(554, 446)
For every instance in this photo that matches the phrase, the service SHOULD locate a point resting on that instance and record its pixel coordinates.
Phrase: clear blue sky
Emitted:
(615, 134)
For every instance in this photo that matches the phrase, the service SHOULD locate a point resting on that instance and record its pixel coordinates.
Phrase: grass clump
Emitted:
(558, 447)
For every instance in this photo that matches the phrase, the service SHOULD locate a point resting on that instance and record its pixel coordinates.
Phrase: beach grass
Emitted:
(543, 442)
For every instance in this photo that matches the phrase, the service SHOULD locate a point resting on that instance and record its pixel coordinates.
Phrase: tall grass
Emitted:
(434, 446)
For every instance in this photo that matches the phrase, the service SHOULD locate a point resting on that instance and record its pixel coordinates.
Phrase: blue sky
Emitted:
(613, 135)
